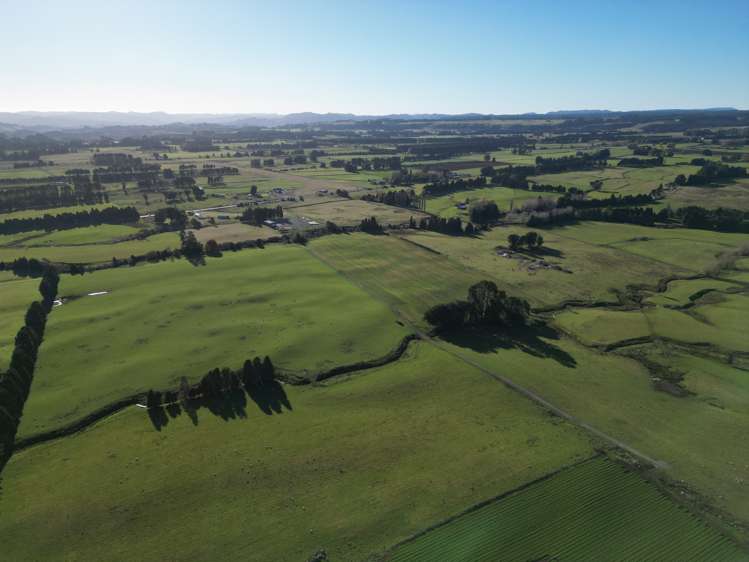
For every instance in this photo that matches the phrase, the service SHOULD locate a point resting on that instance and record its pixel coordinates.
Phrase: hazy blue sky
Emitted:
(372, 57)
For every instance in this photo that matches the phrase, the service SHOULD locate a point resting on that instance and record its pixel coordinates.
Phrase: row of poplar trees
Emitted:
(15, 383)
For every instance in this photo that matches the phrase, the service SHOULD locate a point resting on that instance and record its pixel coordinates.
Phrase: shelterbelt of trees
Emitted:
(64, 221)
(15, 383)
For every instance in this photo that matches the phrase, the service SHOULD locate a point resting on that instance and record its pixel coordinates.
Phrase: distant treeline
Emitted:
(30, 181)
(64, 221)
(581, 161)
(640, 162)
(712, 172)
(720, 220)
(376, 163)
(450, 186)
(47, 196)
(403, 198)
(15, 383)
(612, 201)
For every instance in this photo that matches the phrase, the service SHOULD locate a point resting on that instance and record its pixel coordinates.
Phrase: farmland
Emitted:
(626, 517)
(305, 470)
(160, 322)
(243, 333)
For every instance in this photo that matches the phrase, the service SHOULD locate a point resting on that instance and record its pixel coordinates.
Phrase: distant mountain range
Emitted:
(43, 121)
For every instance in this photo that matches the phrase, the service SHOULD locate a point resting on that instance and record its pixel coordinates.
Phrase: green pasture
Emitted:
(600, 326)
(105, 233)
(683, 292)
(233, 232)
(594, 270)
(722, 323)
(409, 278)
(350, 212)
(718, 320)
(681, 249)
(620, 180)
(600, 511)
(91, 253)
(734, 195)
(159, 322)
(353, 466)
(504, 197)
(696, 439)
(15, 297)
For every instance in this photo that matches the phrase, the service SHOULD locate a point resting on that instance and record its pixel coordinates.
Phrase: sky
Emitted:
(376, 57)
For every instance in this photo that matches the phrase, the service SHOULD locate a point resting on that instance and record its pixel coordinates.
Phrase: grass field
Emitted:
(354, 467)
(159, 322)
(614, 393)
(600, 512)
(15, 297)
(721, 323)
(599, 326)
(595, 270)
(233, 232)
(733, 196)
(105, 233)
(681, 292)
(92, 253)
(504, 197)
(361, 462)
(683, 249)
(623, 181)
(408, 278)
(350, 212)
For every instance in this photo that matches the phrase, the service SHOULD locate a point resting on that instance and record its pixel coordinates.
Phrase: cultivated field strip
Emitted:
(407, 277)
(594, 511)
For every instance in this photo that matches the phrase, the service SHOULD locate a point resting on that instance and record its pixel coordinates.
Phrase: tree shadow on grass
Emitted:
(528, 339)
(231, 405)
(270, 398)
(158, 417)
(543, 251)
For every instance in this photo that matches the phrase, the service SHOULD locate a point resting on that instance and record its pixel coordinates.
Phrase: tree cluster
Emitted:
(452, 226)
(370, 226)
(486, 305)
(402, 198)
(376, 163)
(530, 240)
(257, 215)
(47, 196)
(450, 186)
(171, 218)
(581, 161)
(484, 212)
(714, 172)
